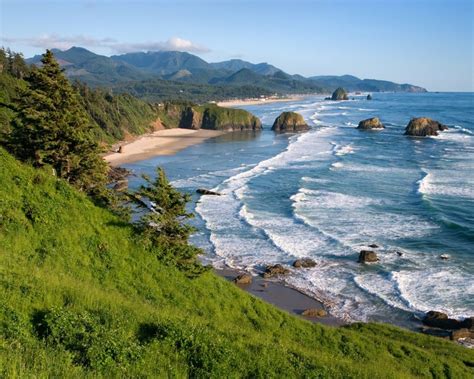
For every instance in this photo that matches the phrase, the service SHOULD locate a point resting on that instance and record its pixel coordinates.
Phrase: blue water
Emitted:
(330, 192)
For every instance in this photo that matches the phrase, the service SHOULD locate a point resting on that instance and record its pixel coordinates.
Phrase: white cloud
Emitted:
(49, 41)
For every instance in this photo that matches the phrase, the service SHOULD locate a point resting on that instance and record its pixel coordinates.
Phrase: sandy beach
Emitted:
(162, 142)
(241, 102)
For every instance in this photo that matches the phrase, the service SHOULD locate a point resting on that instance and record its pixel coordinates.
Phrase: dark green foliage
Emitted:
(159, 90)
(52, 128)
(116, 117)
(164, 222)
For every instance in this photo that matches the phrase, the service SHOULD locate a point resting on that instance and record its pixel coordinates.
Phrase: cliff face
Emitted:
(207, 116)
(219, 118)
(290, 122)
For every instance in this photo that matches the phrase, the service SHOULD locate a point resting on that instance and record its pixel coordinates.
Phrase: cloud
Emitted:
(173, 44)
(50, 41)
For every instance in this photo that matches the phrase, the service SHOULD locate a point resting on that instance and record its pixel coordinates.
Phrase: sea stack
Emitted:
(371, 124)
(369, 97)
(290, 122)
(339, 94)
(424, 126)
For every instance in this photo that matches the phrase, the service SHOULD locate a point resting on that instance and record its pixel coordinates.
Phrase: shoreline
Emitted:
(263, 101)
(285, 298)
(161, 142)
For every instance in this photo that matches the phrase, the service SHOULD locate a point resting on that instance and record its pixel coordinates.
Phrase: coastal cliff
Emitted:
(208, 116)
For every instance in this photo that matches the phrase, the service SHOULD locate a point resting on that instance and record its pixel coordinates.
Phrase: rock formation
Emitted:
(243, 279)
(369, 97)
(339, 94)
(370, 124)
(304, 263)
(289, 122)
(314, 313)
(275, 270)
(368, 256)
(203, 191)
(424, 126)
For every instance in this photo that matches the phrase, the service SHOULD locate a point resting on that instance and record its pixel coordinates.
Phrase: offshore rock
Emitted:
(370, 124)
(304, 263)
(203, 191)
(339, 94)
(368, 256)
(289, 122)
(424, 126)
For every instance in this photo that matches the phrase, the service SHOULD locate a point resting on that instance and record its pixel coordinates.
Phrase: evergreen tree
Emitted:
(163, 225)
(52, 128)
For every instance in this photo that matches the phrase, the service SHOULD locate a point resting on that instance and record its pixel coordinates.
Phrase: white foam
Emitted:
(444, 183)
(337, 165)
(355, 219)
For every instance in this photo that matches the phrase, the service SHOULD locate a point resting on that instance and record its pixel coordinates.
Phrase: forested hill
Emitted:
(155, 74)
(116, 116)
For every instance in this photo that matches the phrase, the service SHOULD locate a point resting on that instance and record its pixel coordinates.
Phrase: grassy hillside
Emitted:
(82, 297)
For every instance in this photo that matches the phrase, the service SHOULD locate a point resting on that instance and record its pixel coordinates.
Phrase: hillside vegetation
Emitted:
(83, 297)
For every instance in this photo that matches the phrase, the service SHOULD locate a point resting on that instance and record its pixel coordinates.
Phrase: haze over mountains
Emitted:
(131, 69)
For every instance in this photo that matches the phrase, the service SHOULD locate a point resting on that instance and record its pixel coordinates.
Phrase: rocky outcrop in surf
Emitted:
(339, 94)
(304, 263)
(373, 123)
(368, 256)
(275, 270)
(203, 191)
(424, 126)
(369, 97)
(290, 122)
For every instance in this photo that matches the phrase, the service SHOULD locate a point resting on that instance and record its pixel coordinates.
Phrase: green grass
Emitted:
(81, 297)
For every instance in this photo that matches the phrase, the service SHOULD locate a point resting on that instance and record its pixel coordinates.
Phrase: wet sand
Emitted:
(283, 297)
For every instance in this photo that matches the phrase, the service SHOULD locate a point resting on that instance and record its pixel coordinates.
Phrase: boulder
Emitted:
(461, 333)
(373, 246)
(424, 126)
(339, 94)
(440, 320)
(312, 312)
(468, 323)
(243, 279)
(370, 124)
(444, 257)
(369, 97)
(289, 122)
(275, 270)
(204, 191)
(368, 256)
(304, 263)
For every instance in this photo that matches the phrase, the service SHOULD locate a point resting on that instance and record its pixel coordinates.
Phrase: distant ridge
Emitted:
(99, 70)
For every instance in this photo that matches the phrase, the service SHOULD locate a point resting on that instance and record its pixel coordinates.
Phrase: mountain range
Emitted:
(133, 70)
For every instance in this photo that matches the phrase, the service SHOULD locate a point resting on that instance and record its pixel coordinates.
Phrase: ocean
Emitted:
(330, 192)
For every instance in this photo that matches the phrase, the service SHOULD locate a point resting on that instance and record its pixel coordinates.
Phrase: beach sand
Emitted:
(241, 102)
(281, 296)
(162, 142)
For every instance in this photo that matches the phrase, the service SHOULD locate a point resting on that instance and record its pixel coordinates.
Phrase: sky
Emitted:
(422, 42)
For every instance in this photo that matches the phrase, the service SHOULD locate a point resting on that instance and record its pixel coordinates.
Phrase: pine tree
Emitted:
(164, 223)
(52, 128)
